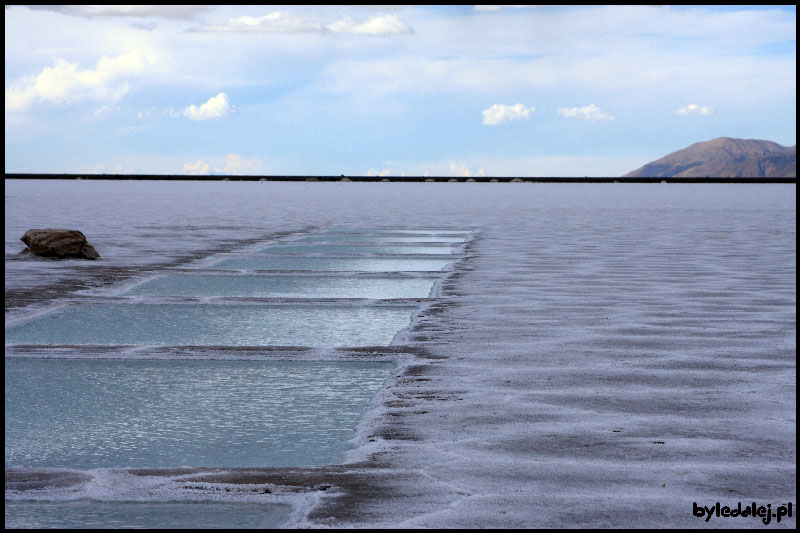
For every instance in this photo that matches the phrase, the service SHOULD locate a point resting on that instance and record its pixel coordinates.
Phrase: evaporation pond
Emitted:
(358, 238)
(265, 286)
(378, 231)
(213, 325)
(356, 249)
(92, 514)
(99, 413)
(339, 264)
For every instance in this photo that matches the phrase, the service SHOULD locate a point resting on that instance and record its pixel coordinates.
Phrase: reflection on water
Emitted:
(356, 264)
(355, 249)
(404, 231)
(102, 413)
(213, 325)
(357, 238)
(285, 287)
(87, 414)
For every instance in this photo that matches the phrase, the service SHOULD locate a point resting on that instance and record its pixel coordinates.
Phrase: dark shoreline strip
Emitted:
(394, 179)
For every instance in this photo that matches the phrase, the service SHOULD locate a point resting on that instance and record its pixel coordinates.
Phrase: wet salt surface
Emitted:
(347, 249)
(286, 286)
(90, 514)
(140, 324)
(372, 238)
(338, 264)
(118, 413)
(608, 355)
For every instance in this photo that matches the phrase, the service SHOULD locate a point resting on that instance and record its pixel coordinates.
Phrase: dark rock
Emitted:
(59, 243)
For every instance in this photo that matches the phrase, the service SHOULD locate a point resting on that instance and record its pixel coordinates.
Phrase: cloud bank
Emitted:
(66, 82)
(160, 11)
(285, 22)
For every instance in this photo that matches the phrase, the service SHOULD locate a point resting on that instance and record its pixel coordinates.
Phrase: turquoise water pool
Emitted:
(356, 249)
(99, 413)
(285, 286)
(354, 264)
(212, 325)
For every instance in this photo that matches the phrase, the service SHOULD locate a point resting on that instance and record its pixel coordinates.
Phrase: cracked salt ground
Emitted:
(574, 336)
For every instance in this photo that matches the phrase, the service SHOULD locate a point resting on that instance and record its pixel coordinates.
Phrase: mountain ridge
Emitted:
(724, 157)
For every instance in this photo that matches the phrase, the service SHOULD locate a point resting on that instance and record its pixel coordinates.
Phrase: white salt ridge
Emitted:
(575, 341)
(113, 485)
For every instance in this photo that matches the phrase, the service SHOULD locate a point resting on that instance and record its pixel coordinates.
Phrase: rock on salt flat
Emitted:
(59, 244)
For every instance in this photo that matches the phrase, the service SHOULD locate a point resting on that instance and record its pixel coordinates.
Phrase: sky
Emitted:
(389, 90)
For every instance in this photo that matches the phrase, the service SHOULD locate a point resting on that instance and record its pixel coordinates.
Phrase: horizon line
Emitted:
(393, 179)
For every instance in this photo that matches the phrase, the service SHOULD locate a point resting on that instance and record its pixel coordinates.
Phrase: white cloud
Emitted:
(377, 26)
(498, 8)
(562, 165)
(236, 165)
(375, 172)
(198, 168)
(232, 164)
(502, 114)
(215, 108)
(285, 22)
(106, 109)
(590, 112)
(161, 11)
(694, 109)
(275, 22)
(462, 170)
(65, 82)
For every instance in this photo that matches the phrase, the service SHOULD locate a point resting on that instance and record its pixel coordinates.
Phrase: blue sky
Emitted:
(401, 90)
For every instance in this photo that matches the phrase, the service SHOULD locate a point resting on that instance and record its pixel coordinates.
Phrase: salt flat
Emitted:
(602, 355)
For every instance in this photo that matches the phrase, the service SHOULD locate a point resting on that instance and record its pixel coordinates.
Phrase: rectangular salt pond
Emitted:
(378, 231)
(92, 514)
(213, 325)
(97, 413)
(356, 249)
(333, 264)
(264, 286)
(359, 238)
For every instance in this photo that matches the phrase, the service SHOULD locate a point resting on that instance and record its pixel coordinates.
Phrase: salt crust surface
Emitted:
(605, 356)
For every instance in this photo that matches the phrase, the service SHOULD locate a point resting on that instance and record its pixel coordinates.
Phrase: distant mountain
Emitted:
(724, 158)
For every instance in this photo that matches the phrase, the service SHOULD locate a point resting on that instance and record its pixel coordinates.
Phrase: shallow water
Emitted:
(90, 514)
(354, 264)
(348, 249)
(616, 317)
(404, 231)
(264, 286)
(212, 325)
(380, 238)
(102, 413)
